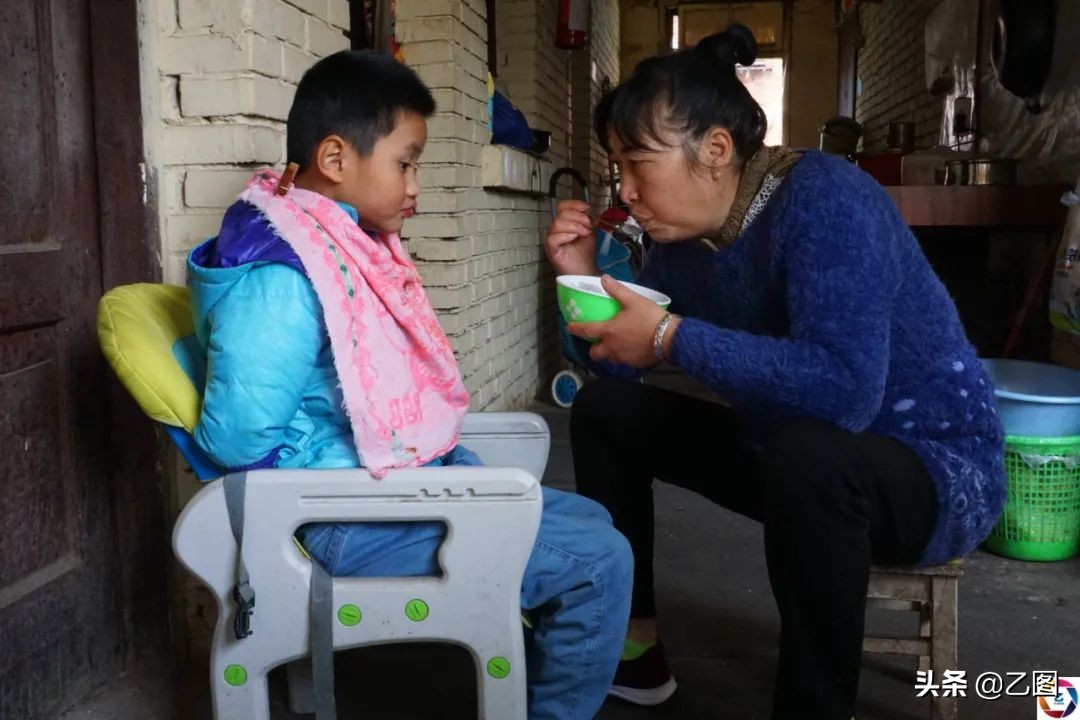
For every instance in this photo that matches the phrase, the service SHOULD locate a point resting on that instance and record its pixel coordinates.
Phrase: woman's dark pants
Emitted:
(831, 502)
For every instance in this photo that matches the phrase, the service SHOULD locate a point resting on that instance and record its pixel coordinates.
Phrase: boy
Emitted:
(274, 315)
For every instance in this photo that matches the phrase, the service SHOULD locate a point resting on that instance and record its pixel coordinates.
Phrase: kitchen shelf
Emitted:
(1019, 207)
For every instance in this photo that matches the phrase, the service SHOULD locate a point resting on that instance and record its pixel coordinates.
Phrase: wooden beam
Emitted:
(916, 647)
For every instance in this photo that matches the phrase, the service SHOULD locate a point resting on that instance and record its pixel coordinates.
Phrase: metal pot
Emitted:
(956, 172)
(902, 136)
(840, 136)
(992, 171)
(981, 171)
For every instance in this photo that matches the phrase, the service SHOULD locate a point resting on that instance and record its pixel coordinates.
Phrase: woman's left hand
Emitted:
(628, 337)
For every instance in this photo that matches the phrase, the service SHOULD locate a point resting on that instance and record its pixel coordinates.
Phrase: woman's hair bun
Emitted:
(734, 46)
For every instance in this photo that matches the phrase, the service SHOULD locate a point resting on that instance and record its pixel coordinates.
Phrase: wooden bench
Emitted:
(931, 592)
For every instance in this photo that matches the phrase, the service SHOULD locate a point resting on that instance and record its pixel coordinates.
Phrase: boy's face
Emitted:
(383, 186)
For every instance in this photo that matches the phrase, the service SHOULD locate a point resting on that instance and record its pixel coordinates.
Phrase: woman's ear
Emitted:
(330, 158)
(718, 151)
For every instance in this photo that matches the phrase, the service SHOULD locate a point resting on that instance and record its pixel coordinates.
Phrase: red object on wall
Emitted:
(572, 28)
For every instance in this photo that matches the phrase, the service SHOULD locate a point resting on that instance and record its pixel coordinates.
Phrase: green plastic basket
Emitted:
(1041, 520)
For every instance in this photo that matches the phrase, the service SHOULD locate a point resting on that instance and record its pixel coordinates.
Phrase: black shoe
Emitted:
(646, 680)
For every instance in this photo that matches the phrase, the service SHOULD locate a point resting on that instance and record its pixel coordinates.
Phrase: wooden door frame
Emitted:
(850, 42)
(130, 245)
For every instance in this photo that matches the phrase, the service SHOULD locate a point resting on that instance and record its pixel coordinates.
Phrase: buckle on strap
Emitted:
(244, 595)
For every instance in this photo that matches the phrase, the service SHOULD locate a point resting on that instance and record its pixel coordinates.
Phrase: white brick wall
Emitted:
(588, 70)
(480, 252)
(226, 73)
(892, 69)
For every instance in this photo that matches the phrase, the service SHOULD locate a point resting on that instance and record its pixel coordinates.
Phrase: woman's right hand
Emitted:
(571, 240)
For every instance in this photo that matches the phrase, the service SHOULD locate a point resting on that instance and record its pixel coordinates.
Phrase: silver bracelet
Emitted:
(658, 337)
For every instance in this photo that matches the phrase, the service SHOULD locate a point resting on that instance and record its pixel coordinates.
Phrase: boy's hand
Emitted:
(571, 240)
(628, 337)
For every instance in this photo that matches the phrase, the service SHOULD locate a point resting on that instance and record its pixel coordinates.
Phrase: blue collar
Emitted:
(351, 211)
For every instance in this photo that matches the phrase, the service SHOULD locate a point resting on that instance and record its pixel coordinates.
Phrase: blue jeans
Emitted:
(577, 588)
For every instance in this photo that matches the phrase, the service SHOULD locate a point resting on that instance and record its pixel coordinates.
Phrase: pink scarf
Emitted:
(403, 392)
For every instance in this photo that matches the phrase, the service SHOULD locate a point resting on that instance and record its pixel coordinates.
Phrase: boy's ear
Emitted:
(330, 158)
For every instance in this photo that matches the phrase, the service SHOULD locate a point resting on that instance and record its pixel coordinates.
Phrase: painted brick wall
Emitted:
(223, 76)
(892, 69)
(589, 69)
(218, 80)
(480, 251)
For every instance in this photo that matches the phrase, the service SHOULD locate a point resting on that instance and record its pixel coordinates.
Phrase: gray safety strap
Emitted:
(322, 642)
(243, 593)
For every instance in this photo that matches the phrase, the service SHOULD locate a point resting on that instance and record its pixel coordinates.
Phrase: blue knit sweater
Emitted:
(825, 307)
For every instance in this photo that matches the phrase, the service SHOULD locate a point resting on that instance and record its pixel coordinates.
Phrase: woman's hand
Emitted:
(571, 241)
(628, 337)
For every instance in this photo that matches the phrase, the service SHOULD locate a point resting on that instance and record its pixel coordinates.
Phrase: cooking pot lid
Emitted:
(842, 126)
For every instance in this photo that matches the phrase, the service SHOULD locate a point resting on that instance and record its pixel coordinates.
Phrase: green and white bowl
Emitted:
(582, 298)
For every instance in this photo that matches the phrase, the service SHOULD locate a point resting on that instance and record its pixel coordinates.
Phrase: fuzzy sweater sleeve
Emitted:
(839, 269)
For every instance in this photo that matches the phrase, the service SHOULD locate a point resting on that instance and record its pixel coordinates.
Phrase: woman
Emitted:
(858, 423)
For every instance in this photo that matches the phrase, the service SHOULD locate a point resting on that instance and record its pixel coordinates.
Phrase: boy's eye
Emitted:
(405, 166)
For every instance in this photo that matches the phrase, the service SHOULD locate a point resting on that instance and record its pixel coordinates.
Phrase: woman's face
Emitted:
(673, 196)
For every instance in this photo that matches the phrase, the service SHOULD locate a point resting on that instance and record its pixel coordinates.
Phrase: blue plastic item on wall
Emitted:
(508, 124)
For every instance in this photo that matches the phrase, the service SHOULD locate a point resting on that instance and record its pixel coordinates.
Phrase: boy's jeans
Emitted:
(577, 586)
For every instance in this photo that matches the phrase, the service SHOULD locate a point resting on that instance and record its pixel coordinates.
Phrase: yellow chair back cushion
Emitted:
(138, 326)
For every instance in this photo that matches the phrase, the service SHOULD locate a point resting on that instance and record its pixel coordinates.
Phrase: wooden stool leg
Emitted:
(943, 591)
(925, 612)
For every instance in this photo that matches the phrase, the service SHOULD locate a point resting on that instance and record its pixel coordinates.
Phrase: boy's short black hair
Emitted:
(356, 94)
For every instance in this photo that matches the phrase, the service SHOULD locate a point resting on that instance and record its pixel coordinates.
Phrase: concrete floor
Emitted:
(720, 627)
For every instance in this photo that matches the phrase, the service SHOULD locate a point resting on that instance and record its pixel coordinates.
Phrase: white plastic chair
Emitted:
(492, 515)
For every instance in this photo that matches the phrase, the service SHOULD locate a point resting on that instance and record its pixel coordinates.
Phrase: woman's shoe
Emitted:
(645, 680)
